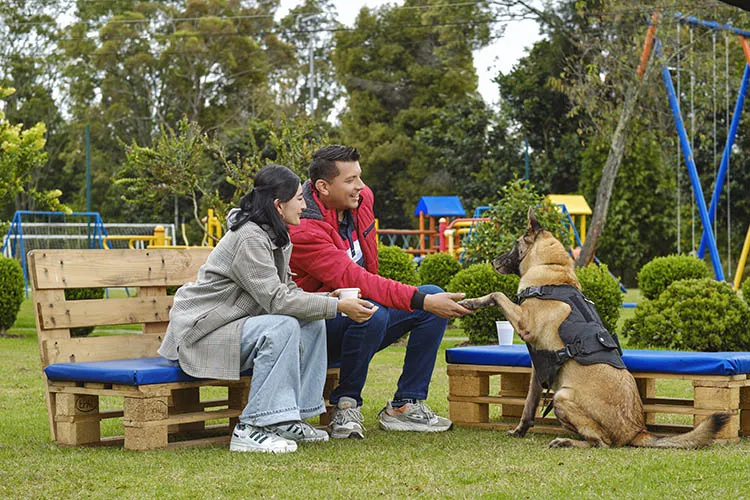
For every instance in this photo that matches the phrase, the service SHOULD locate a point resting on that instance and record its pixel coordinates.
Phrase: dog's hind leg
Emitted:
(529, 407)
(573, 418)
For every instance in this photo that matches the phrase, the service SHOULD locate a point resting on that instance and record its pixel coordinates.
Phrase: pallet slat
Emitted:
(104, 312)
(115, 268)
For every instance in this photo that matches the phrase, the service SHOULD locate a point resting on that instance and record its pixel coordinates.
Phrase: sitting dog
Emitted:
(572, 353)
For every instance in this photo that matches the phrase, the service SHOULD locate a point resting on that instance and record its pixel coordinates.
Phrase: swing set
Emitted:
(685, 144)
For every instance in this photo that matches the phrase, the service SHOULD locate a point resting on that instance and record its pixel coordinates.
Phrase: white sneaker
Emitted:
(346, 421)
(248, 438)
(415, 416)
(298, 432)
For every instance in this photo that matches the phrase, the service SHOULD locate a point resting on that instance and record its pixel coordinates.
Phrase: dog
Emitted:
(595, 396)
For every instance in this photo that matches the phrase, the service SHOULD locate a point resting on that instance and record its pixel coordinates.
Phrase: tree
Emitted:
(22, 151)
(400, 67)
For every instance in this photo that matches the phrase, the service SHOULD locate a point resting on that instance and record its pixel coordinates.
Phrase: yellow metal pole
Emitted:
(741, 264)
(582, 234)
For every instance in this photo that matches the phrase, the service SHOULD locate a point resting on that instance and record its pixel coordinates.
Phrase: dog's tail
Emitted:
(701, 436)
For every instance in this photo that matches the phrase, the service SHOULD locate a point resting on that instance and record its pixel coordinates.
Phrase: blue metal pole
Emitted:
(722, 174)
(712, 25)
(692, 170)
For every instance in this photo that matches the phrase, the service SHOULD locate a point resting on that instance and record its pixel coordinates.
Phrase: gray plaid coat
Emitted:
(245, 275)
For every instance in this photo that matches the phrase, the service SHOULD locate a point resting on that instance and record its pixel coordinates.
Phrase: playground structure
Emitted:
(30, 230)
(707, 214)
(423, 241)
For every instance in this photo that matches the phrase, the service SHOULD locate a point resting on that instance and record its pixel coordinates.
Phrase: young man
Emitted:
(335, 246)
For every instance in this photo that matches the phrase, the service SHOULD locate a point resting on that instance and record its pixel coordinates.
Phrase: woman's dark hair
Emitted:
(272, 182)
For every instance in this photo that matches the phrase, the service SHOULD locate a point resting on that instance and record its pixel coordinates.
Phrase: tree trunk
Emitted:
(609, 173)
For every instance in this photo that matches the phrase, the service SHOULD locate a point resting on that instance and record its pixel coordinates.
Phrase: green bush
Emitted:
(396, 264)
(11, 292)
(508, 221)
(83, 294)
(661, 272)
(601, 288)
(438, 269)
(478, 280)
(694, 314)
(745, 289)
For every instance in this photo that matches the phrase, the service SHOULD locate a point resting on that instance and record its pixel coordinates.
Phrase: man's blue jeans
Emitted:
(354, 345)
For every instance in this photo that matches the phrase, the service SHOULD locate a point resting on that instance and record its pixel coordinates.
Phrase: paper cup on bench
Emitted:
(504, 332)
(348, 293)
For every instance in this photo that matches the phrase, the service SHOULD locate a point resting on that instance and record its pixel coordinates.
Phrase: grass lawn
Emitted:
(461, 463)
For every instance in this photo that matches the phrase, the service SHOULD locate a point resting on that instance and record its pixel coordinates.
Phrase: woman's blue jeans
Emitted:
(354, 345)
(288, 361)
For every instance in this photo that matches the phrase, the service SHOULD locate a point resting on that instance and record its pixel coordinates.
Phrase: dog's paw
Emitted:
(518, 432)
(561, 443)
(470, 304)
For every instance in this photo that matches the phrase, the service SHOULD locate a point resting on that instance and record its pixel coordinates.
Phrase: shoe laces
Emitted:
(422, 406)
(344, 415)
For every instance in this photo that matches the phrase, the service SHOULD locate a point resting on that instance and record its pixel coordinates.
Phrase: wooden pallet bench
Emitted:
(161, 406)
(721, 382)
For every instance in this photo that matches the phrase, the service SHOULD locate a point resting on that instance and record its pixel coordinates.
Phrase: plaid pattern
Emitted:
(245, 275)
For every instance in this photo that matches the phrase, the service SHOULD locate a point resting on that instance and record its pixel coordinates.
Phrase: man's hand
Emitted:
(444, 305)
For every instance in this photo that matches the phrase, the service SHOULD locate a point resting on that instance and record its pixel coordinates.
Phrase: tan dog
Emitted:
(598, 401)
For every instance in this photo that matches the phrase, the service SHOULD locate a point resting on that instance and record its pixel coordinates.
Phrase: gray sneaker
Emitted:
(412, 417)
(346, 421)
(299, 432)
(248, 438)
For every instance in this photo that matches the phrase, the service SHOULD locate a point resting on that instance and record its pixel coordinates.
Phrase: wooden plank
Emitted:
(114, 268)
(104, 312)
(492, 369)
(79, 350)
(499, 370)
(184, 418)
(488, 399)
(679, 409)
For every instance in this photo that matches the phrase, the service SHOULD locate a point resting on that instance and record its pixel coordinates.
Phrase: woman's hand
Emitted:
(357, 309)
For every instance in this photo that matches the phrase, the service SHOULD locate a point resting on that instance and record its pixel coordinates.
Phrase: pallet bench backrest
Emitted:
(151, 271)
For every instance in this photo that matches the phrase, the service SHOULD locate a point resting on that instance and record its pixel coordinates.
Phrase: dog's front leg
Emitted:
(529, 407)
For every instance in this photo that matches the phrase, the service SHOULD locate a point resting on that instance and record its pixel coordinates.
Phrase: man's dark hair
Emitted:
(323, 164)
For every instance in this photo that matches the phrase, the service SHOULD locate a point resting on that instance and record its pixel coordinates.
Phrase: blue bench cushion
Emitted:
(688, 363)
(137, 371)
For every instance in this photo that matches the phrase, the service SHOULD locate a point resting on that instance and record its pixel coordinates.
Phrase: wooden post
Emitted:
(745, 409)
(647, 390)
(145, 422)
(710, 395)
(187, 401)
(466, 383)
(77, 419)
(514, 385)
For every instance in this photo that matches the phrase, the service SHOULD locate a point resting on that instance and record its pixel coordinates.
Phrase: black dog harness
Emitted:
(583, 333)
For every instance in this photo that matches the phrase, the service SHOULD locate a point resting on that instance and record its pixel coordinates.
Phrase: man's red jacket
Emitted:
(320, 256)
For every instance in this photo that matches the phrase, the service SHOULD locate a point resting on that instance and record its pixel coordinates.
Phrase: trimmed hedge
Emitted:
(601, 288)
(694, 314)
(661, 272)
(438, 269)
(478, 280)
(396, 264)
(83, 294)
(11, 292)
(745, 288)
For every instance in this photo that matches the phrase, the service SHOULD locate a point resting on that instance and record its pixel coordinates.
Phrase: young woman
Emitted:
(245, 312)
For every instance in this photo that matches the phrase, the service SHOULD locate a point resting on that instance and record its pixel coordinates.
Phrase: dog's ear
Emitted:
(534, 225)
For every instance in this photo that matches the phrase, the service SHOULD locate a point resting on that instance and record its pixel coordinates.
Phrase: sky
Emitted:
(501, 55)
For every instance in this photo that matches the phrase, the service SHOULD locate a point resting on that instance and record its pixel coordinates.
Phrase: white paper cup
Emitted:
(348, 293)
(504, 332)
